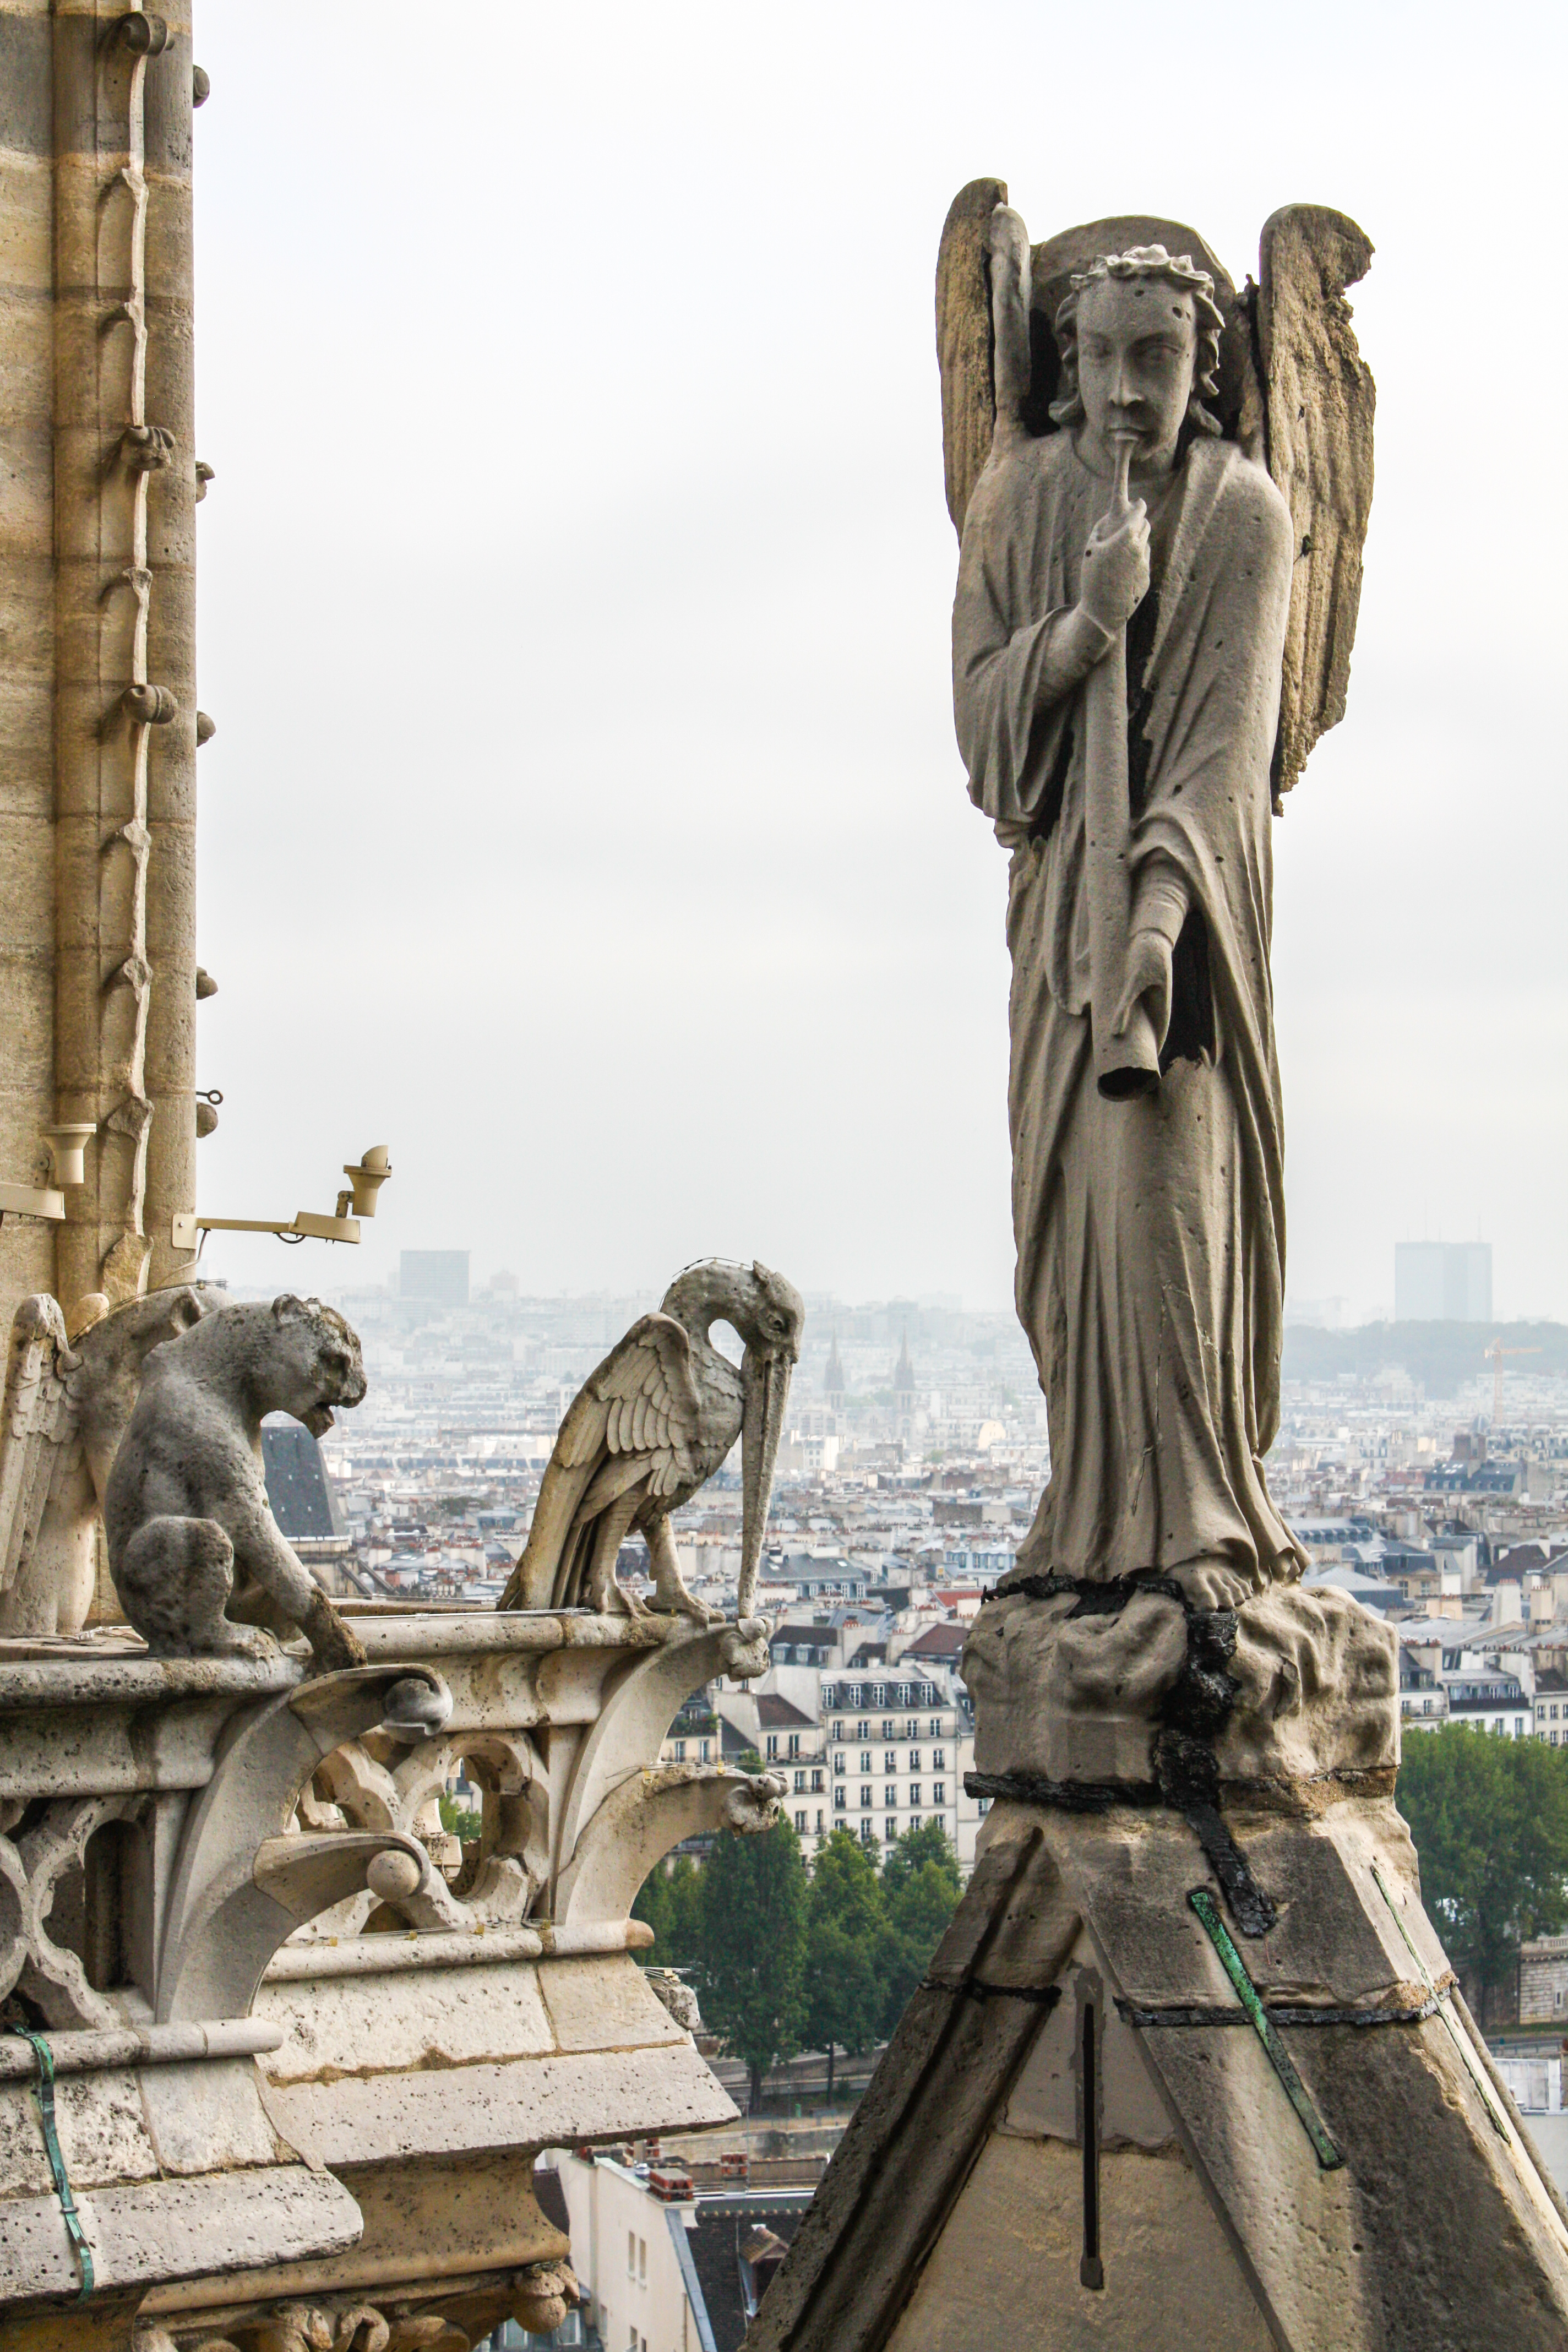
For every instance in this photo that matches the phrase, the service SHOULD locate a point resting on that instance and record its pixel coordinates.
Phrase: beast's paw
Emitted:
(334, 1647)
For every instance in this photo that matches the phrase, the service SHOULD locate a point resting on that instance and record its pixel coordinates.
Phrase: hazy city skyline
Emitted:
(584, 819)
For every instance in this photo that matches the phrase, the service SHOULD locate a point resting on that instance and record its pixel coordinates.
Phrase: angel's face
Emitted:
(1137, 341)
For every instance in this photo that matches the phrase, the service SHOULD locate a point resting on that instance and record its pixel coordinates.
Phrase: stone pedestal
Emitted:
(1190, 2062)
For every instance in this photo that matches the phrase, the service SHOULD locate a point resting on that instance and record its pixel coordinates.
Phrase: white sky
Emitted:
(584, 819)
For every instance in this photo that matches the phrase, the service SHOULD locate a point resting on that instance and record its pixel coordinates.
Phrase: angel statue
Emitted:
(1162, 489)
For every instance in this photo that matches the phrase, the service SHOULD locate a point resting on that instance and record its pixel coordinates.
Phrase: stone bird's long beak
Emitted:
(766, 1376)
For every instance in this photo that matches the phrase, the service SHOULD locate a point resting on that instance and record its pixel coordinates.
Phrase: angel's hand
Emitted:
(1115, 578)
(1148, 974)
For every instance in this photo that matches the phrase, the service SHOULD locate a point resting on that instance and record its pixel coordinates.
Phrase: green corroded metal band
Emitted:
(1324, 2149)
(44, 2093)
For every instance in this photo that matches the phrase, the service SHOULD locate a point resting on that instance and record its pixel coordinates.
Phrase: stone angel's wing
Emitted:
(963, 339)
(633, 1422)
(1318, 399)
(39, 1441)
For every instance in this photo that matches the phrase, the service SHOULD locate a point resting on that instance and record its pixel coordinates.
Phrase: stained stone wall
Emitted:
(27, 630)
(98, 716)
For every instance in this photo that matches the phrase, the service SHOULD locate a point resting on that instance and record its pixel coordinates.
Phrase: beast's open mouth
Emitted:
(319, 1419)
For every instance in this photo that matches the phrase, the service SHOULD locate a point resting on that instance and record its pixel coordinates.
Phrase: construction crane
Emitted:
(1496, 1353)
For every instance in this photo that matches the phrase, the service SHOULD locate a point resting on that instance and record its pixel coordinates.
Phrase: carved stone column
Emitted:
(124, 730)
(28, 669)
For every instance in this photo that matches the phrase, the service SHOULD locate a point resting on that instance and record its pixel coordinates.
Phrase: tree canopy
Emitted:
(1489, 1819)
(921, 1887)
(782, 1962)
(670, 1901)
(845, 1925)
(750, 1968)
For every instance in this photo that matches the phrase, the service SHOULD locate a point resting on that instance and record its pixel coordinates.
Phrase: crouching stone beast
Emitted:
(186, 1502)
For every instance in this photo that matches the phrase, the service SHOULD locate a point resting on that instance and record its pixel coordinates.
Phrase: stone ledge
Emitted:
(160, 2230)
(542, 2102)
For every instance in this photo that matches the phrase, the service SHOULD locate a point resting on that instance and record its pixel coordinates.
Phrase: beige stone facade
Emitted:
(98, 713)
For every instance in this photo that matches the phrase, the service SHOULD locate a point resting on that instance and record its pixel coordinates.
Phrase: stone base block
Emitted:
(1076, 1685)
(1090, 2130)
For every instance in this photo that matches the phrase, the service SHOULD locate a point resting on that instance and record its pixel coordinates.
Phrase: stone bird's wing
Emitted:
(39, 1441)
(1319, 400)
(963, 339)
(634, 1420)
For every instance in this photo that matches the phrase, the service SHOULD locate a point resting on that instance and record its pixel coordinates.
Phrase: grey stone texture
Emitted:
(295, 2067)
(185, 1510)
(97, 490)
(1190, 2064)
(649, 1427)
(959, 2191)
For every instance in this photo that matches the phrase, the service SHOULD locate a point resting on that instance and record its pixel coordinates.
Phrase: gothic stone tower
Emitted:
(98, 484)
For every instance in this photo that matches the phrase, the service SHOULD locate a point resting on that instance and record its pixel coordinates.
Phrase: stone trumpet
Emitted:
(1128, 1064)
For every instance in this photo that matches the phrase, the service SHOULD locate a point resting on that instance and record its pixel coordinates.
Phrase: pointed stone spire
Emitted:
(904, 1377)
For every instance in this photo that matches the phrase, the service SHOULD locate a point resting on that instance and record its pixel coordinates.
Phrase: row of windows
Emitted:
(1498, 1723)
(891, 1762)
(704, 1747)
(911, 1730)
(891, 1796)
(858, 1695)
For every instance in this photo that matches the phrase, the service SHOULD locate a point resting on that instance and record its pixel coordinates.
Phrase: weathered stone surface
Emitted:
(175, 2227)
(344, 2026)
(1020, 2219)
(1320, 401)
(606, 2003)
(1215, 2213)
(206, 2117)
(424, 2226)
(1044, 2103)
(185, 1508)
(102, 2133)
(534, 2103)
(963, 339)
(1080, 1696)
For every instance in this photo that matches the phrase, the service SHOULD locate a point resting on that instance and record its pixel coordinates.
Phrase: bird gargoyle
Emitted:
(649, 1428)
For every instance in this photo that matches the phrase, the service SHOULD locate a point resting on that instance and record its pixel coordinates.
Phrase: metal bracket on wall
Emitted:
(31, 1201)
(186, 1231)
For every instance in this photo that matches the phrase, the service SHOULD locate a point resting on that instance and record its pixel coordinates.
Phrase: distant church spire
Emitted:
(833, 1379)
(904, 1377)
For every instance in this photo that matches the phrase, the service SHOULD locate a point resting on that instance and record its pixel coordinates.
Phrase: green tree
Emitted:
(752, 1965)
(670, 1901)
(921, 1887)
(845, 1925)
(650, 1904)
(1489, 1819)
(458, 1822)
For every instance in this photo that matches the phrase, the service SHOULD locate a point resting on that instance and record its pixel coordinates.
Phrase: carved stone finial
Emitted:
(144, 35)
(150, 705)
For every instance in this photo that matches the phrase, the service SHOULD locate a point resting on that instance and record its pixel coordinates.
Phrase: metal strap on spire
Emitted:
(1235, 1966)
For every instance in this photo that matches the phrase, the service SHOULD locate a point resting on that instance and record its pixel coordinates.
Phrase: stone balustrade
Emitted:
(307, 2054)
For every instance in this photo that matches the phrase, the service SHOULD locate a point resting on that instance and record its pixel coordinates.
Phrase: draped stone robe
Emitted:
(1149, 1233)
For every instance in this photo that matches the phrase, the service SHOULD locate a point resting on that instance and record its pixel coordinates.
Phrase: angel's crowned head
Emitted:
(1139, 335)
